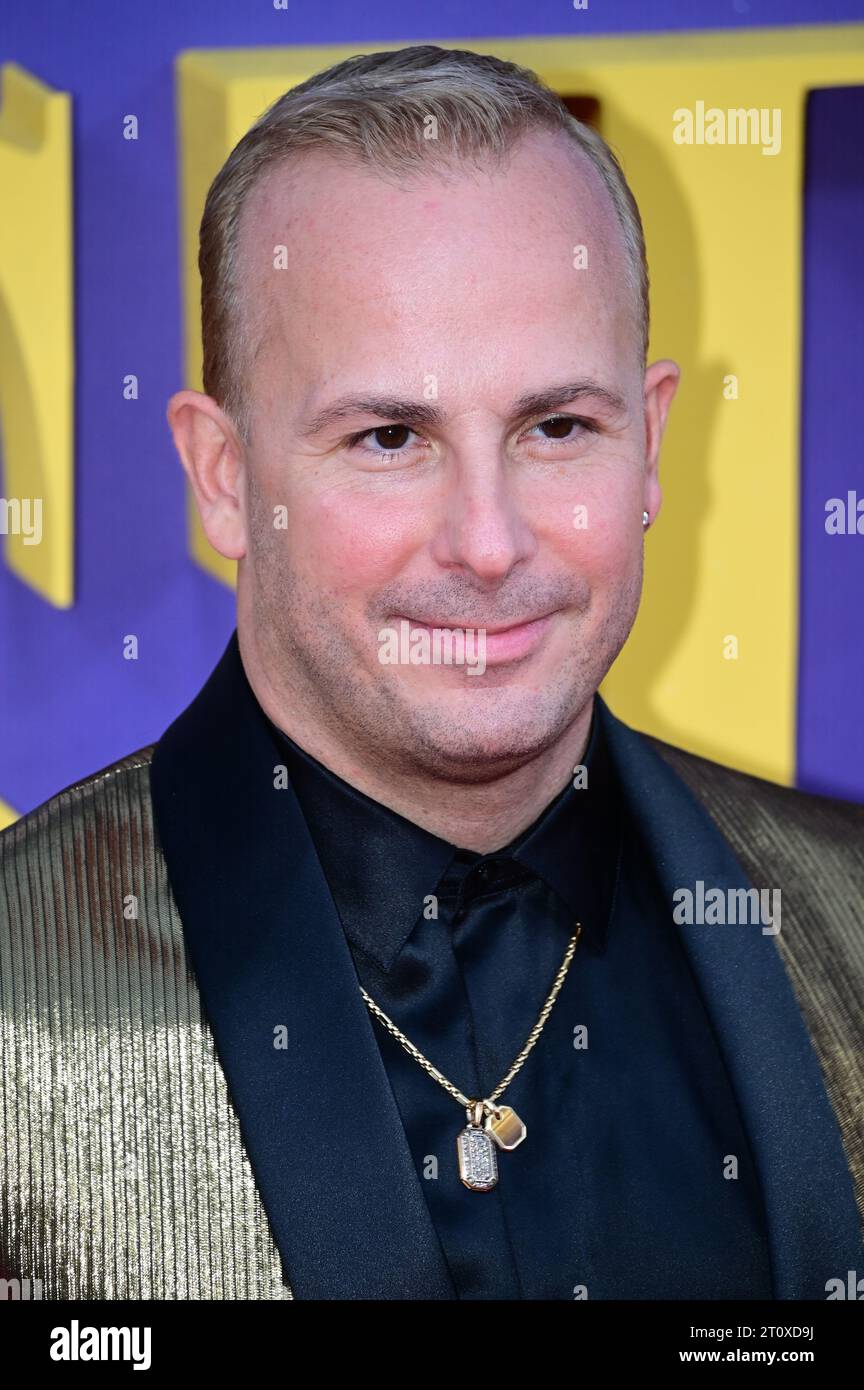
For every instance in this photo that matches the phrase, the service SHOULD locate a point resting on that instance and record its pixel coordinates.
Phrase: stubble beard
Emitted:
(320, 680)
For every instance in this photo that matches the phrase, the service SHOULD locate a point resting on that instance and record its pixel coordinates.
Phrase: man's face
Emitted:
(460, 294)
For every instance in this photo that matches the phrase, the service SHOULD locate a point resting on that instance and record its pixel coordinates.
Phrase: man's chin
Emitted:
(490, 729)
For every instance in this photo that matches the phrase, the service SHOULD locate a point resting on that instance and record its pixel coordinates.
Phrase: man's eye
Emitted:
(392, 438)
(562, 425)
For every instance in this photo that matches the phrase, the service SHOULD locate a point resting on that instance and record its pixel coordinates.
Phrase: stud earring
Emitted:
(645, 519)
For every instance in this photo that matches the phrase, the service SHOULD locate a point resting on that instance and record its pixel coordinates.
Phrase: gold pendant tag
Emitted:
(505, 1127)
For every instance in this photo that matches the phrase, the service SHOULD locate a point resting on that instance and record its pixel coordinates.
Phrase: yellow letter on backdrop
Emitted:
(37, 365)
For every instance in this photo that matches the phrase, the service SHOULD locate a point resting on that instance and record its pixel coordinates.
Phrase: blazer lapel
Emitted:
(807, 1188)
(317, 1114)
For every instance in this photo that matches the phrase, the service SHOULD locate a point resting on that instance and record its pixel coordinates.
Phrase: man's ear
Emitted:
(661, 383)
(212, 457)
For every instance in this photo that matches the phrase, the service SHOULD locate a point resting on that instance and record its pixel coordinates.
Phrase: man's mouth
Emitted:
(504, 641)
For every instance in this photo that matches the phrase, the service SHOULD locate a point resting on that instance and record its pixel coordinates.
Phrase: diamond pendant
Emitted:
(478, 1163)
(476, 1144)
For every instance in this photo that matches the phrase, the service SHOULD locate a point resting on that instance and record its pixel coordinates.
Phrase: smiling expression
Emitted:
(454, 427)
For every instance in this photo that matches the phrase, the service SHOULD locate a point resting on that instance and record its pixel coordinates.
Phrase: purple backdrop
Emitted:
(831, 648)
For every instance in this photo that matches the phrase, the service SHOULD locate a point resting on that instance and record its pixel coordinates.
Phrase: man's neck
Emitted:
(480, 816)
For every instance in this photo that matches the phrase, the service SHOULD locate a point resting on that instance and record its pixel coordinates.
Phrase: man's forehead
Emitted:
(545, 174)
(441, 259)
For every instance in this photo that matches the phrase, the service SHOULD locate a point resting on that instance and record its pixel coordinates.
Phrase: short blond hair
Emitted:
(374, 109)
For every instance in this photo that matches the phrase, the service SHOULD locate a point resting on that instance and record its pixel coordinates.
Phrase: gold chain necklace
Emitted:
(489, 1124)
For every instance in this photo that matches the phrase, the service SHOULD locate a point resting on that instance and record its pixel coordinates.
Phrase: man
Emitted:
(401, 968)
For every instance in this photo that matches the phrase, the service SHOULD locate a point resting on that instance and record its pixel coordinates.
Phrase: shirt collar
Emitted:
(381, 867)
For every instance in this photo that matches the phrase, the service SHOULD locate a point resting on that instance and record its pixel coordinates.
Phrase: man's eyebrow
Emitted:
(410, 412)
(541, 402)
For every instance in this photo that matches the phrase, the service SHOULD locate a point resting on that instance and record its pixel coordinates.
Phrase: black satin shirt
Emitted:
(621, 1187)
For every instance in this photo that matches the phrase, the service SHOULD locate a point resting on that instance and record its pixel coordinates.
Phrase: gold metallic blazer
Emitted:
(122, 1169)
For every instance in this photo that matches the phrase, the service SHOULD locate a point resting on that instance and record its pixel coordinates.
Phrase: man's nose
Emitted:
(483, 528)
